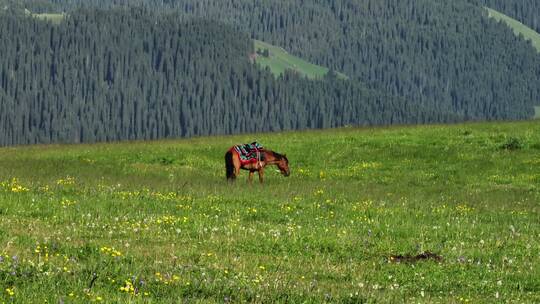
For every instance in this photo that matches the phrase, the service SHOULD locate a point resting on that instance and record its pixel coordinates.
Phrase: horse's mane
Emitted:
(280, 156)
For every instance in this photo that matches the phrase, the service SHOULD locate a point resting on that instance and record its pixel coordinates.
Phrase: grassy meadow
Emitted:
(280, 60)
(54, 18)
(155, 222)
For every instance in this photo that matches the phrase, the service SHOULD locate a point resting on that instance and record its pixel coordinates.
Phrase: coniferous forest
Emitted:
(122, 70)
(526, 11)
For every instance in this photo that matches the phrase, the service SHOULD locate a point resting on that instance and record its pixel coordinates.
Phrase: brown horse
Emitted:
(233, 164)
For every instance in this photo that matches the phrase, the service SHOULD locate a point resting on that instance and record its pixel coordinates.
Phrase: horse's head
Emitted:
(283, 165)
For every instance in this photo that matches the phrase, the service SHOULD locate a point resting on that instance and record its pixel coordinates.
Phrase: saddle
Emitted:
(249, 153)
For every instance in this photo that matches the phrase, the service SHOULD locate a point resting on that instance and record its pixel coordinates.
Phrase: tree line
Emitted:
(127, 74)
(180, 68)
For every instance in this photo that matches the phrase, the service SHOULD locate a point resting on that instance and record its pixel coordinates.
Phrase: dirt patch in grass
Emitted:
(408, 258)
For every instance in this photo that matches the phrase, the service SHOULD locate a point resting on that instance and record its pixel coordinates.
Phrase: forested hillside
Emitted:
(519, 28)
(427, 51)
(122, 74)
(182, 68)
(526, 11)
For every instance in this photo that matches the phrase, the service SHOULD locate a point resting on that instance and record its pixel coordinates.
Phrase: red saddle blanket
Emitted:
(249, 153)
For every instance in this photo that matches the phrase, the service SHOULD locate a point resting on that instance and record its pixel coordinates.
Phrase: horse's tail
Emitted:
(229, 166)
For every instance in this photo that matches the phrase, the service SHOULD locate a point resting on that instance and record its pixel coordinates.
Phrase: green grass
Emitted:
(155, 222)
(279, 61)
(517, 27)
(54, 18)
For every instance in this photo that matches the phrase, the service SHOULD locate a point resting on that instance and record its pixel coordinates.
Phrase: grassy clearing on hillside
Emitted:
(54, 18)
(155, 222)
(518, 27)
(279, 61)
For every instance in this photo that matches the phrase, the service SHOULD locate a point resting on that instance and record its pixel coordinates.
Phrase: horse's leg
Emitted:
(250, 178)
(237, 165)
(229, 166)
(261, 175)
